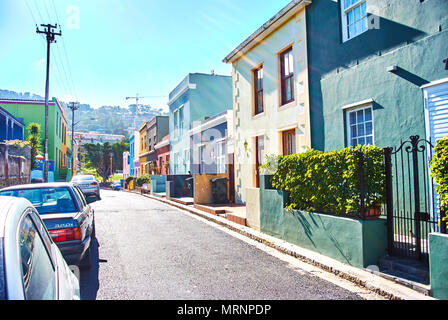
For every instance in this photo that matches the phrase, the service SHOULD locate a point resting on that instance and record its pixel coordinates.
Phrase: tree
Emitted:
(34, 140)
(98, 157)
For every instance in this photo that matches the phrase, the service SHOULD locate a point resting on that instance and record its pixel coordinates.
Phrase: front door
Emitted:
(259, 157)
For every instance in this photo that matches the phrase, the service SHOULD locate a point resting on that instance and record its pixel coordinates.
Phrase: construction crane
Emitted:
(137, 98)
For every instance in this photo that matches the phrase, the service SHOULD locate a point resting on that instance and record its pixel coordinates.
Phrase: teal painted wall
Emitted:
(411, 35)
(355, 242)
(438, 265)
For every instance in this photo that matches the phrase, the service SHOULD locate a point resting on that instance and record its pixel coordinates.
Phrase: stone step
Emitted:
(405, 268)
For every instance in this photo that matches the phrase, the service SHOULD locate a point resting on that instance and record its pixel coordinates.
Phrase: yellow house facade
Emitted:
(143, 150)
(270, 94)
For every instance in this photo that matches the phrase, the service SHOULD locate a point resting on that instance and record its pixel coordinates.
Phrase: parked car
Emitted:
(88, 184)
(116, 185)
(67, 215)
(31, 265)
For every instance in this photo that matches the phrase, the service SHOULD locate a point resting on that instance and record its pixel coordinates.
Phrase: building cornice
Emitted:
(266, 29)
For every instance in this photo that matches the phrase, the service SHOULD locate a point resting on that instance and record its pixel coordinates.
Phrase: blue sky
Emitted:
(117, 48)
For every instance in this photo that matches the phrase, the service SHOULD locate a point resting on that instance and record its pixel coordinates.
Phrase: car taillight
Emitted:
(94, 183)
(59, 235)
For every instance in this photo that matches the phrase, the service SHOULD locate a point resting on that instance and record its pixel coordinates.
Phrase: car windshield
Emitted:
(46, 200)
(83, 178)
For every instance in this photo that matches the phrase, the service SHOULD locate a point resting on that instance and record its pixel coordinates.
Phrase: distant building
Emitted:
(34, 111)
(95, 137)
(163, 156)
(157, 129)
(143, 150)
(126, 165)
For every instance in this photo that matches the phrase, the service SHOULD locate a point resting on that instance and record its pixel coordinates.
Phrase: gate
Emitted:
(411, 202)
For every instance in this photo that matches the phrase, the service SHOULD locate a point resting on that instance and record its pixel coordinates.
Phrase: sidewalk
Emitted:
(389, 288)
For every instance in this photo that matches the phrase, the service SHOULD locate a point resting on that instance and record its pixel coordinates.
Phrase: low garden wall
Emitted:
(177, 186)
(15, 164)
(253, 208)
(203, 187)
(356, 242)
(158, 183)
(438, 265)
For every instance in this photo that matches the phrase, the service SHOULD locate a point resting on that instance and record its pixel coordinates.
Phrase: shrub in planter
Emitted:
(329, 182)
(129, 179)
(143, 179)
(439, 171)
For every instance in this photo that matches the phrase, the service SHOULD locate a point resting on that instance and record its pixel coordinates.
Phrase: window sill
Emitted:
(287, 105)
(259, 115)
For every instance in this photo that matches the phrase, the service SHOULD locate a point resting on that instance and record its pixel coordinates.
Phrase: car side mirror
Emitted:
(91, 199)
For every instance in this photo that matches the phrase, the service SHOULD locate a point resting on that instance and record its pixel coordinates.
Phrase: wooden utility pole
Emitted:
(73, 106)
(50, 35)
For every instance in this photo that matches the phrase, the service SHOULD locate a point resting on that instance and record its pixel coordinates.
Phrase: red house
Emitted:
(163, 155)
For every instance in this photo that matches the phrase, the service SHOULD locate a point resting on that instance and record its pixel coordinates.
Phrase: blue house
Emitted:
(11, 128)
(197, 97)
(212, 144)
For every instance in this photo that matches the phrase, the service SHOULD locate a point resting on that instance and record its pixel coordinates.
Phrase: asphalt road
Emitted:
(148, 250)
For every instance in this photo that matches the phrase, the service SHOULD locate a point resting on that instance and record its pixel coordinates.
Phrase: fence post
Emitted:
(442, 222)
(389, 200)
(361, 182)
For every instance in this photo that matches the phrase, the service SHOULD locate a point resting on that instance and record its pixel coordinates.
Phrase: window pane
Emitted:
(369, 140)
(357, 11)
(351, 30)
(353, 131)
(286, 65)
(363, 9)
(291, 62)
(361, 130)
(368, 128)
(352, 117)
(361, 141)
(354, 143)
(287, 89)
(368, 114)
(360, 116)
(350, 17)
(37, 269)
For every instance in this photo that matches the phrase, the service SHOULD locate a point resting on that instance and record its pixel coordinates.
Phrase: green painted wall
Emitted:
(438, 265)
(413, 36)
(355, 242)
(36, 113)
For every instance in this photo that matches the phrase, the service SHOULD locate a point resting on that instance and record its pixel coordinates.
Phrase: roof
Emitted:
(38, 185)
(266, 29)
(52, 102)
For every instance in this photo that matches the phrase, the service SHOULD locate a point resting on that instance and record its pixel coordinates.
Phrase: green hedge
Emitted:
(328, 182)
(439, 171)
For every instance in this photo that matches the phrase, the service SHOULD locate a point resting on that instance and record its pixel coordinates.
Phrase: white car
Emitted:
(31, 265)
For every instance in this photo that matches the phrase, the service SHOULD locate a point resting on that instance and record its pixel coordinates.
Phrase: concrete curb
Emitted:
(390, 288)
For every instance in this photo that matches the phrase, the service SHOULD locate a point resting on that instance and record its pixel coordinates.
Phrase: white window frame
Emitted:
(221, 163)
(354, 110)
(344, 23)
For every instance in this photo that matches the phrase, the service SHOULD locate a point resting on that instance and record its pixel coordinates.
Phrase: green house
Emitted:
(58, 143)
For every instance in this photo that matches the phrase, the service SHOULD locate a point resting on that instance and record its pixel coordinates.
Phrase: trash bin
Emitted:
(219, 190)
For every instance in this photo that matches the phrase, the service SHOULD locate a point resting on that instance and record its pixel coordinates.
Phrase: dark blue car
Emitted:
(67, 215)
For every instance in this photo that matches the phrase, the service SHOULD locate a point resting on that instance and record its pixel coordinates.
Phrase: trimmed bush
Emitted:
(439, 171)
(329, 182)
(143, 179)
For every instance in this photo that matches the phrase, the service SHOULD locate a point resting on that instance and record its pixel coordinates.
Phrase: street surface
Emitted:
(149, 250)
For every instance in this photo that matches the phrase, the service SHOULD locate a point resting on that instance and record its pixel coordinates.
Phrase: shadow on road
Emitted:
(89, 283)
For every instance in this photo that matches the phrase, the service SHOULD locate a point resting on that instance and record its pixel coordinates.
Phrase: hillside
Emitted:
(106, 119)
